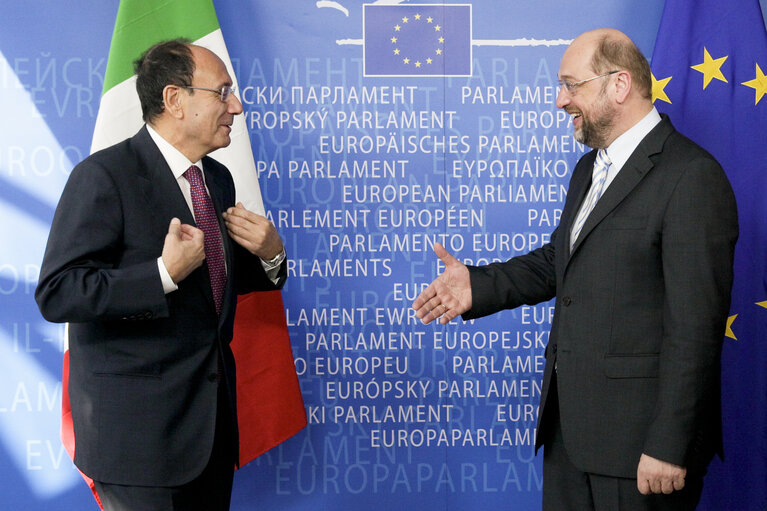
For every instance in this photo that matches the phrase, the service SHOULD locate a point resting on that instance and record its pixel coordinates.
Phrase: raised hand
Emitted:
(254, 232)
(183, 250)
(449, 295)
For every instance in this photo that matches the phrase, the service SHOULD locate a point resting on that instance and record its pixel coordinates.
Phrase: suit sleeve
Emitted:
(698, 242)
(251, 275)
(89, 272)
(526, 279)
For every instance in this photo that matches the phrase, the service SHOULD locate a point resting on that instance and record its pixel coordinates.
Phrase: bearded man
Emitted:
(641, 269)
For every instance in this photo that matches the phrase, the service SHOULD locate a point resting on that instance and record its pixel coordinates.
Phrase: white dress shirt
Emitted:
(620, 150)
(622, 147)
(179, 164)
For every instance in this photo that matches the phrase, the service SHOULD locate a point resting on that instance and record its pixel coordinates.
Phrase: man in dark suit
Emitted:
(146, 255)
(641, 268)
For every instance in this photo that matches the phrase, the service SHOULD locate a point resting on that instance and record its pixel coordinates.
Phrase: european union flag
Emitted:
(708, 75)
(417, 40)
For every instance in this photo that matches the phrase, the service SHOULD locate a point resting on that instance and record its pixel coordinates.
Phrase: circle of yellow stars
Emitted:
(711, 69)
(439, 38)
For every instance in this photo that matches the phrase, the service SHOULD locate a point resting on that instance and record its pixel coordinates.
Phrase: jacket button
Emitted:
(212, 377)
(567, 301)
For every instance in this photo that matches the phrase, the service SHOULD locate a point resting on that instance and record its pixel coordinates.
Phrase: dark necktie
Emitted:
(207, 221)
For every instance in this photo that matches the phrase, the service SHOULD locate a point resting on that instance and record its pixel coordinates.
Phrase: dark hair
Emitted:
(165, 63)
(612, 53)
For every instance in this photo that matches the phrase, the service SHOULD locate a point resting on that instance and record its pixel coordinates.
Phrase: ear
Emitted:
(622, 86)
(173, 99)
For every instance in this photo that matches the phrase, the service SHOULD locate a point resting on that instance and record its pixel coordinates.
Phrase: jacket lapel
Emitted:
(632, 173)
(163, 193)
(158, 184)
(579, 186)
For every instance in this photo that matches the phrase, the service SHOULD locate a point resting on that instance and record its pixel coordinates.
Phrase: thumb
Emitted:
(444, 255)
(175, 227)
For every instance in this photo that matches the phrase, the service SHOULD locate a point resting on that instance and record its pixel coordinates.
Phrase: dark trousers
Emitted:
(565, 487)
(210, 491)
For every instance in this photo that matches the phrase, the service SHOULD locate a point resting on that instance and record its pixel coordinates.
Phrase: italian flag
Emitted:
(270, 407)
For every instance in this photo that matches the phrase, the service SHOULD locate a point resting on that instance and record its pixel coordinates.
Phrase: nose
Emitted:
(234, 106)
(563, 98)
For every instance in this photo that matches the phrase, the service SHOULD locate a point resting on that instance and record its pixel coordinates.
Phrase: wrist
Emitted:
(276, 260)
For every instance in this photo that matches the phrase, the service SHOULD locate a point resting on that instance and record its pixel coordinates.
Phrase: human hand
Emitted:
(254, 232)
(656, 476)
(449, 295)
(183, 250)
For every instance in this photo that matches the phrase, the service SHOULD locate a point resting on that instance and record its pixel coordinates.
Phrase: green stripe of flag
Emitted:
(142, 23)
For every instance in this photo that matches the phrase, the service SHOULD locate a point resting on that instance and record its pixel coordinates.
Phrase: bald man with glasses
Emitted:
(146, 255)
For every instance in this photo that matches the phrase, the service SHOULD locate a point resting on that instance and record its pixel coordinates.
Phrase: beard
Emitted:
(596, 126)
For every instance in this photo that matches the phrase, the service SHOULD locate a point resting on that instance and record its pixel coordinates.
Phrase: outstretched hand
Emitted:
(449, 295)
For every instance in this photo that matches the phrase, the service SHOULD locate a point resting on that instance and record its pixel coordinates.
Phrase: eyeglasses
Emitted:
(224, 92)
(571, 87)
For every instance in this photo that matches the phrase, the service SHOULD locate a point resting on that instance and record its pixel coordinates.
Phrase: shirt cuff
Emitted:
(272, 267)
(168, 286)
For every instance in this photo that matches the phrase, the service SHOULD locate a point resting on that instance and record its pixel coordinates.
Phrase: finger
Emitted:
(643, 485)
(243, 224)
(447, 315)
(240, 211)
(667, 486)
(678, 483)
(444, 255)
(244, 242)
(236, 237)
(188, 229)
(193, 231)
(655, 486)
(245, 234)
(424, 314)
(438, 309)
(174, 227)
(426, 295)
(432, 307)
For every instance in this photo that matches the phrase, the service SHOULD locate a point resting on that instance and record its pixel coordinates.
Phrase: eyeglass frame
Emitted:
(572, 87)
(223, 95)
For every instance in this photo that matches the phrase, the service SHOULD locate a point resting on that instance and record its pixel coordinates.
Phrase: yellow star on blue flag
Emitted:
(759, 84)
(716, 52)
(711, 68)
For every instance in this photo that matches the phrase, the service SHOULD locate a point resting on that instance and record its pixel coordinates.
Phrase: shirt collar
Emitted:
(622, 147)
(176, 160)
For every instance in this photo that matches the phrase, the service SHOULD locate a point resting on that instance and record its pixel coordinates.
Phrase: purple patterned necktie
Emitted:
(207, 221)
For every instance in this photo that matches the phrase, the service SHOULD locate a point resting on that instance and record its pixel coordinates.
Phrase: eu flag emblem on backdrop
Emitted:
(708, 75)
(417, 40)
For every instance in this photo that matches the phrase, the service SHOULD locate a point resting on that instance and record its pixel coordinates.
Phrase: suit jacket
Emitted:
(641, 308)
(143, 364)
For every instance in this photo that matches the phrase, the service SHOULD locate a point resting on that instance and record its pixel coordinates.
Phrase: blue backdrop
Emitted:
(365, 163)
